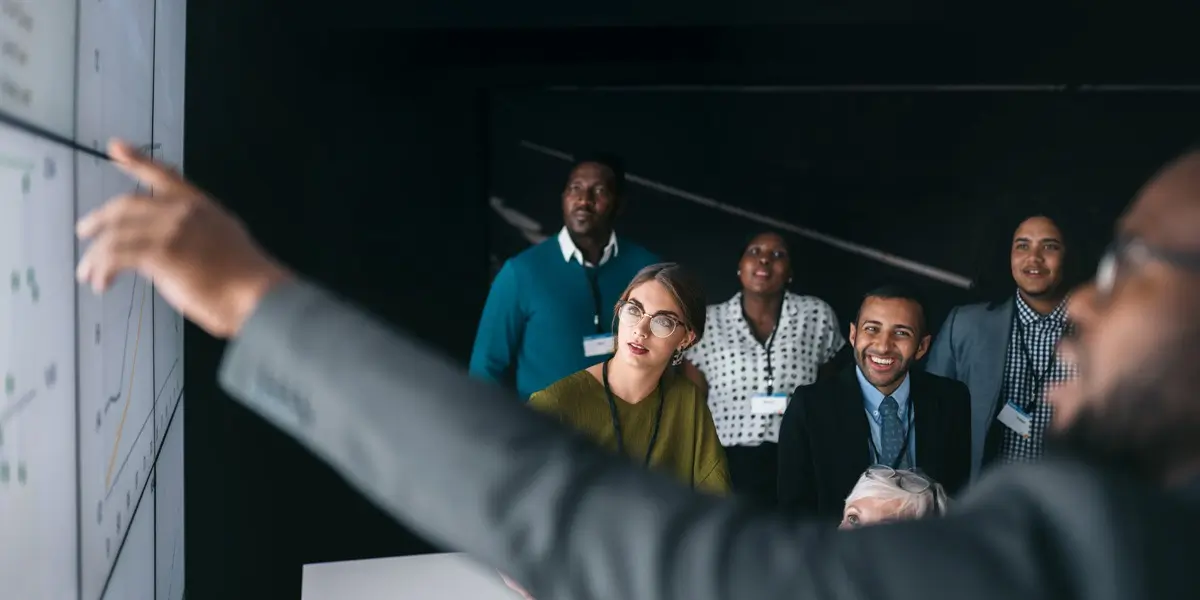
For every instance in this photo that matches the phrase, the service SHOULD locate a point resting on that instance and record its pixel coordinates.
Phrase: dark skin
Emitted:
(764, 270)
(590, 204)
(1036, 261)
(1137, 332)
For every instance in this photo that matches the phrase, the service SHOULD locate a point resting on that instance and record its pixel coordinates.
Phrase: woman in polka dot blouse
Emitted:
(759, 346)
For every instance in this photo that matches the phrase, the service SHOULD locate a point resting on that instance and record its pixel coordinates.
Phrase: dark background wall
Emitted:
(368, 182)
(934, 174)
(362, 158)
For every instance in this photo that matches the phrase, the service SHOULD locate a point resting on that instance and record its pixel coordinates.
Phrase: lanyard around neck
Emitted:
(616, 420)
(770, 340)
(1036, 379)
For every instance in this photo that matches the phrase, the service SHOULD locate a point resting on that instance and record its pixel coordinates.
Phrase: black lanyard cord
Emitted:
(770, 340)
(597, 302)
(616, 420)
(1037, 379)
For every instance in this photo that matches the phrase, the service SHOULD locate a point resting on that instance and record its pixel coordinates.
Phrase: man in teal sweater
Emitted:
(549, 312)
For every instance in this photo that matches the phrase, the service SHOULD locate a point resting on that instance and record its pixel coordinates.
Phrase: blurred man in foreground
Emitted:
(1115, 519)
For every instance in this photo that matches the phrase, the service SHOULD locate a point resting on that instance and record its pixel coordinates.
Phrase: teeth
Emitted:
(882, 361)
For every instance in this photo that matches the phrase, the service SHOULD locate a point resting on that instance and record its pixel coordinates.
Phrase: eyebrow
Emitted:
(900, 326)
(1045, 239)
(661, 312)
(762, 246)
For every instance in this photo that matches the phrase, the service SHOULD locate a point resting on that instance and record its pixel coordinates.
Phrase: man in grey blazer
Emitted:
(522, 494)
(1004, 349)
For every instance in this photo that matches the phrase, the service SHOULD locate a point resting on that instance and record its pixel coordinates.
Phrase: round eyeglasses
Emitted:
(1126, 252)
(913, 482)
(662, 326)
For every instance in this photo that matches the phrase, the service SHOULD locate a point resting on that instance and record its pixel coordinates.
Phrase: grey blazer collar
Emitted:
(994, 332)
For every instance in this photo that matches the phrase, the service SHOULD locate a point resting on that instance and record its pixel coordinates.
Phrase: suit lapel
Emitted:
(993, 334)
(926, 422)
(852, 424)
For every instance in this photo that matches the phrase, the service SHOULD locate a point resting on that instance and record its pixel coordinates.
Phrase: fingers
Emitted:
(115, 251)
(142, 167)
(122, 230)
(122, 209)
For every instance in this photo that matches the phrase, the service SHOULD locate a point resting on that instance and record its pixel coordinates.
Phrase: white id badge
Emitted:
(1015, 419)
(768, 404)
(599, 344)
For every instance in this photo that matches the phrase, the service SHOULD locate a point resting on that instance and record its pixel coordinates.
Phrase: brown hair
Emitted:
(686, 290)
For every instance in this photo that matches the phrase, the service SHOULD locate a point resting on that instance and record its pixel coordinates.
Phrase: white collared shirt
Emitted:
(571, 252)
(734, 362)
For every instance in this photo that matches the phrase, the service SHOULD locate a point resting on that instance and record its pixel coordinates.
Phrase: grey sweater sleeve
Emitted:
(467, 465)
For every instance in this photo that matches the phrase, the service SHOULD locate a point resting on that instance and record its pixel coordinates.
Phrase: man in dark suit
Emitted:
(1116, 519)
(877, 411)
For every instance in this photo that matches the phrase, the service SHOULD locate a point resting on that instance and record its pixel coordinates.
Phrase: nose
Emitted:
(642, 327)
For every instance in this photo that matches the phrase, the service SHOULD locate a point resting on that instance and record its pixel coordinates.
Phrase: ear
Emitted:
(853, 334)
(923, 347)
(689, 339)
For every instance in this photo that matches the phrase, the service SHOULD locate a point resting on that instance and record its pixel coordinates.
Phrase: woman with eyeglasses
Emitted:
(885, 494)
(636, 404)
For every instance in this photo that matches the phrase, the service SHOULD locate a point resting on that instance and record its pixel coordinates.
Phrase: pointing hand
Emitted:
(200, 256)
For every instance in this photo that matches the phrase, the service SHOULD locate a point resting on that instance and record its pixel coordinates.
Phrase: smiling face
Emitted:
(1036, 257)
(765, 266)
(650, 327)
(888, 338)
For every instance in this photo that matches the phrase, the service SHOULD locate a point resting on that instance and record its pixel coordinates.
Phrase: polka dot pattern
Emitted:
(734, 363)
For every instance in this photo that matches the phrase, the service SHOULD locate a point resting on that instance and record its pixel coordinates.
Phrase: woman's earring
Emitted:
(678, 358)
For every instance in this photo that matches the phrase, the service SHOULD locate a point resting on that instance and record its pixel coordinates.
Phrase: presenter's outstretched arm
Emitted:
(506, 485)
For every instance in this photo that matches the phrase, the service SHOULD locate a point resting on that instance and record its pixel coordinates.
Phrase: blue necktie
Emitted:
(891, 435)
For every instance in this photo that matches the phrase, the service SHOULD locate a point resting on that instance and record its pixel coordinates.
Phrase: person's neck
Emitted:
(761, 307)
(762, 310)
(592, 246)
(891, 388)
(1044, 304)
(632, 384)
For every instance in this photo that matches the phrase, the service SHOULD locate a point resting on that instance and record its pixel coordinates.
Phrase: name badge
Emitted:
(1015, 419)
(599, 345)
(768, 404)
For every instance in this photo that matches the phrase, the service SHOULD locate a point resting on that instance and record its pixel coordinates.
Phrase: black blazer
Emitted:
(824, 448)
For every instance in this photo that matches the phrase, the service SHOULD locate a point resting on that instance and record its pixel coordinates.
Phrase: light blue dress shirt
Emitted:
(871, 401)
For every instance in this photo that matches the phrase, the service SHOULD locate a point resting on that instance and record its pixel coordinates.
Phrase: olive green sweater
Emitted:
(687, 446)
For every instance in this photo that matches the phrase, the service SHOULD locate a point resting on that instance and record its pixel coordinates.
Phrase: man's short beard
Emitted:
(901, 364)
(1146, 429)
